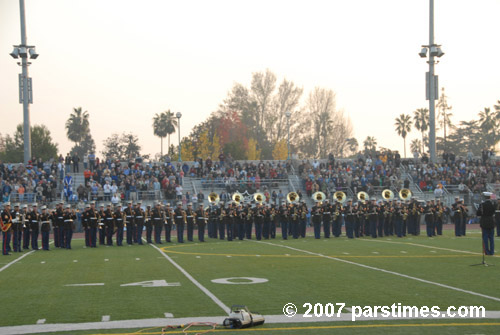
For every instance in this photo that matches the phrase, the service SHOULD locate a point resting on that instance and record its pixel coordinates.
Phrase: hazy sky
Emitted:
(123, 60)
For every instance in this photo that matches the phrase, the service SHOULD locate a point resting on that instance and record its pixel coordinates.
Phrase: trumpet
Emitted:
(387, 194)
(237, 197)
(404, 194)
(292, 197)
(362, 196)
(319, 196)
(340, 196)
(259, 197)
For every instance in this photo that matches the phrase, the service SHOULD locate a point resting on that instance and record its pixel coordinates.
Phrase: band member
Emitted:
(119, 223)
(34, 226)
(327, 217)
(45, 228)
(6, 224)
(56, 224)
(382, 218)
(336, 212)
(86, 224)
(201, 218)
(148, 222)
(283, 218)
(168, 214)
(486, 211)
(212, 220)
(303, 219)
(240, 222)
(190, 215)
(109, 224)
(465, 217)
(273, 221)
(349, 219)
(249, 218)
(158, 218)
(294, 220)
(373, 217)
(457, 216)
(259, 221)
(69, 217)
(17, 229)
(102, 226)
(497, 217)
(316, 213)
(221, 223)
(129, 223)
(266, 227)
(413, 218)
(25, 217)
(358, 219)
(94, 218)
(429, 218)
(439, 217)
(139, 223)
(180, 221)
(228, 221)
(400, 213)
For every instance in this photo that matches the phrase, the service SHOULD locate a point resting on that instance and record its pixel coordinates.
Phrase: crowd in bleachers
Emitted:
(382, 170)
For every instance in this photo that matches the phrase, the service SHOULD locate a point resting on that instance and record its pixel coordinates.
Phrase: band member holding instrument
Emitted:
(69, 217)
(316, 213)
(34, 223)
(327, 217)
(190, 215)
(249, 218)
(119, 223)
(486, 211)
(272, 220)
(17, 229)
(373, 217)
(457, 216)
(337, 211)
(45, 228)
(201, 217)
(93, 216)
(283, 215)
(259, 221)
(86, 225)
(240, 222)
(439, 217)
(222, 212)
(102, 227)
(109, 224)
(158, 218)
(168, 214)
(429, 218)
(148, 222)
(25, 220)
(129, 223)
(6, 224)
(180, 221)
(349, 213)
(138, 222)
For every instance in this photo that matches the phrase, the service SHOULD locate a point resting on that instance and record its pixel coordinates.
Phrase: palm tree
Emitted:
(370, 143)
(171, 121)
(421, 119)
(77, 126)
(403, 127)
(488, 124)
(160, 127)
(444, 115)
(415, 145)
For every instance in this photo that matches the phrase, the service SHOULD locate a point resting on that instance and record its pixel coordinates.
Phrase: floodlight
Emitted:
(33, 54)
(15, 53)
(23, 52)
(423, 53)
(439, 52)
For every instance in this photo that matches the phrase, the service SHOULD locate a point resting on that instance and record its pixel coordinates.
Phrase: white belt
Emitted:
(200, 218)
(138, 217)
(179, 217)
(68, 220)
(45, 222)
(129, 216)
(157, 219)
(189, 216)
(326, 212)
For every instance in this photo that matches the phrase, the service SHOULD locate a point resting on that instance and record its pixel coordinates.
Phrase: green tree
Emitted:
(352, 145)
(416, 146)
(403, 127)
(123, 147)
(421, 121)
(42, 145)
(370, 144)
(488, 124)
(78, 131)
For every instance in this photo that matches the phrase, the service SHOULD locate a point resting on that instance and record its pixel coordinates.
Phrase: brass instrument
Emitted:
(340, 196)
(387, 194)
(404, 194)
(259, 197)
(222, 214)
(213, 197)
(292, 197)
(237, 197)
(319, 196)
(363, 196)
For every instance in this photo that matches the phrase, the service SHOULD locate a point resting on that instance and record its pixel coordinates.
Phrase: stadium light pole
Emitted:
(288, 114)
(178, 116)
(25, 85)
(431, 81)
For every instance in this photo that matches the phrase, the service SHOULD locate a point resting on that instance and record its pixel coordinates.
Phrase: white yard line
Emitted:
(427, 246)
(194, 281)
(162, 322)
(16, 260)
(385, 271)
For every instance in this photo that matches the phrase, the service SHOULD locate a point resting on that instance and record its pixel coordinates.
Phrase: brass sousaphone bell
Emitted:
(319, 196)
(404, 194)
(340, 196)
(292, 197)
(363, 196)
(213, 197)
(237, 197)
(387, 194)
(259, 197)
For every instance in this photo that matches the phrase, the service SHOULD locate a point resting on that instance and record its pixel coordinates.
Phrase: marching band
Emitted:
(234, 220)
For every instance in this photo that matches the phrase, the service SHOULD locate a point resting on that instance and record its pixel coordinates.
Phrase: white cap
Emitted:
(487, 194)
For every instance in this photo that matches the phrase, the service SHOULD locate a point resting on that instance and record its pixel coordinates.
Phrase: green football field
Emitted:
(142, 288)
